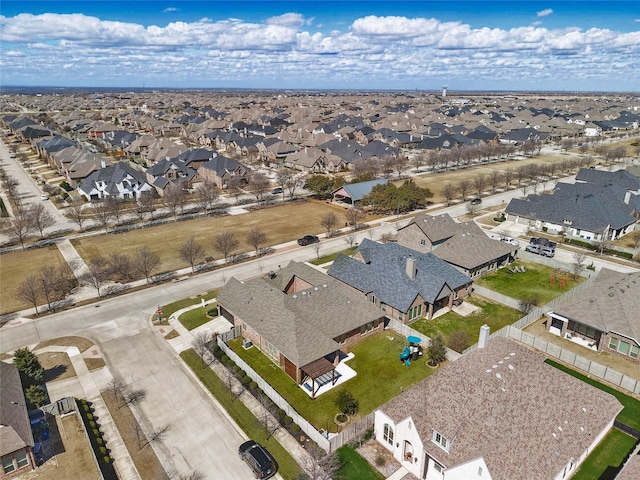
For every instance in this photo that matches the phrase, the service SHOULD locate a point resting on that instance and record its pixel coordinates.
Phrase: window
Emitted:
(634, 351)
(440, 440)
(400, 316)
(270, 349)
(22, 459)
(372, 299)
(7, 464)
(437, 467)
(383, 306)
(423, 242)
(387, 434)
(623, 347)
(613, 344)
(479, 471)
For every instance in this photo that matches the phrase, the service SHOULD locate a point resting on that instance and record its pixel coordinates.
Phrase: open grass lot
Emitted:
(380, 377)
(493, 314)
(281, 224)
(606, 458)
(171, 308)
(288, 468)
(198, 316)
(630, 415)
(535, 282)
(353, 466)
(16, 266)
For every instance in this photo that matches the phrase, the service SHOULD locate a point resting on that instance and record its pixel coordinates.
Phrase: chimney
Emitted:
(484, 336)
(103, 164)
(411, 268)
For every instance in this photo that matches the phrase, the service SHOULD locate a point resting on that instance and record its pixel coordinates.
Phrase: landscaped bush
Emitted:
(213, 312)
(236, 369)
(287, 420)
(92, 424)
(106, 459)
(368, 435)
(103, 450)
(96, 432)
(253, 385)
(89, 416)
(295, 428)
(380, 461)
(281, 413)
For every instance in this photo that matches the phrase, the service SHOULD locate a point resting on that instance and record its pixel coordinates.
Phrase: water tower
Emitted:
(444, 91)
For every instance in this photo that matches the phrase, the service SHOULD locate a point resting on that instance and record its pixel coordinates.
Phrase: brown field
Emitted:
(281, 224)
(57, 366)
(16, 266)
(72, 341)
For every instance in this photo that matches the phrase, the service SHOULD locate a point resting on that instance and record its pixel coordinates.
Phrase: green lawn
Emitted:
(630, 415)
(331, 257)
(171, 308)
(604, 461)
(380, 376)
(534, 282)
(198, 316)
(288, 467)
(493, 314)
(354, 467)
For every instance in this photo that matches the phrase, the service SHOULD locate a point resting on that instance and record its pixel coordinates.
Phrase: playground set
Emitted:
(413, 351)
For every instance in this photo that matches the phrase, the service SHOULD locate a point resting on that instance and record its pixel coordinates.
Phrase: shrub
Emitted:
(368, 435)
(213, 312)
(236, 368)
(253, 385)
(96, 432)
(295, 428)
(89, 416)
(106, 459)
(103, 450)
(224, 358)
(92, 424)
(288, 420)
(380, 461)
(458, 341)
(99, 441)
(437, 352)
(281, 413)
(346, 402)
(66, 186)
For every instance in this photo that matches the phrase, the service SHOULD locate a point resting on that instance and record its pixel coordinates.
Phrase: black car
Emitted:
(308, 240)
(276, 190)
(476, 201)
(259, 459)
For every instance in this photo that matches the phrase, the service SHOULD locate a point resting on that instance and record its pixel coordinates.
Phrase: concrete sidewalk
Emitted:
(183, 342)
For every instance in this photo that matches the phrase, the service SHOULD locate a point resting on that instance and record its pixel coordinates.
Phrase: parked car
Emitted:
(308, 240)
(545, 250)
(259, 459)
(476, 201)
(542, 241)
(44, 197)
(511, 241)
(276, 190)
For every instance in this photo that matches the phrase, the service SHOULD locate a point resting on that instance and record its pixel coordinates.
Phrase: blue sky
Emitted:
(470, 45)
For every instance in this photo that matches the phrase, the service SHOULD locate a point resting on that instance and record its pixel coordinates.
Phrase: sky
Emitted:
(374, 44)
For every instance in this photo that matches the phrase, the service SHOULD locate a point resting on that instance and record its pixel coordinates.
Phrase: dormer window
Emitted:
(441, 441)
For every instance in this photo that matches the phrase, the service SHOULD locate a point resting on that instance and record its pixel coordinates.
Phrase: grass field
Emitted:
(353, 466)
(16, 266)
(380, 377)
(493, 314)
(281, 224)
(603, 463)
(535, 282)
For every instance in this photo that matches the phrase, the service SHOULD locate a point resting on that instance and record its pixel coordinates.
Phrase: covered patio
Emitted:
(321, 375)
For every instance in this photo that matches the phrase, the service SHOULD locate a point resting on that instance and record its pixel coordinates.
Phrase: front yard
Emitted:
(538, 281)
(380, 376)
(493, 314)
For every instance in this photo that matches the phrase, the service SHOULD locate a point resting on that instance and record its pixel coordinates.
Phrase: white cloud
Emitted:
(170, 9)
(544, 13)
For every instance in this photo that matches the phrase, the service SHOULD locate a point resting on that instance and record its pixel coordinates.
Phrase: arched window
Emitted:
(388, 434)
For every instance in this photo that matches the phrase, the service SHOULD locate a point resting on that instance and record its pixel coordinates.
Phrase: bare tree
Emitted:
(206, 195)
(191, 251)
(578, 263)
(200, 344)
(329, 222)
(354, 216)
(40, 218)
(57, 282)
(157, 435)
(448, 192)
(225, 243)
(146, 203)
(635, 239)
(98, 272)
(316, 248)
(115, 206)
(319, 465)
(350, 238)
(258, 185)
(418, 161)
(102, 213)
(290, 180)
(120, 266)
(134, 397)
(234, 187)
(75, 213)
(174, 198)
(195, 475)
(20, 227)
(479, 183)
(145, 261)
(472, 208)
(507, 176)
(494, 179)
(116, 388)
(30, 291)
(256, 238)
(464, 186)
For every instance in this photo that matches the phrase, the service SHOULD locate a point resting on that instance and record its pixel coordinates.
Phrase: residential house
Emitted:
(603, 317)
(404, 283)
(167, 172)
(582, 210)
(465, 246)
(16, 438)
(499, 412)
(116, 181)
(300, 318)
(220, 169)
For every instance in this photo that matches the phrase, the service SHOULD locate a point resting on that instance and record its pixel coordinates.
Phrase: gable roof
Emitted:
(355, 191)
(15, 429)
(383, 272)
(441, 227)
(610, 304)
(469, 250)
(491, 403)
(303, 325)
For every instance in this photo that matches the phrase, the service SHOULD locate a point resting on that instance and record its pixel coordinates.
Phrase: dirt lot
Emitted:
(16, 266)
(281, 224)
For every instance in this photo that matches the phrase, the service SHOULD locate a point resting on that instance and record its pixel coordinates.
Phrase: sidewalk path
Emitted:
(73, 259)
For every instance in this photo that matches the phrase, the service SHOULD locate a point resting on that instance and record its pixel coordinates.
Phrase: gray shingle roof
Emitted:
(526, 419)
(302, 326)
(358, 190)
(470, 251)
(610, 304)
(15, 429)
(384, 273)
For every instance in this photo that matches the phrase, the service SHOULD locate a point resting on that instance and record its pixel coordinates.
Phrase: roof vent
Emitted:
(315, 288)
(295, 296)
(324, 285)
(304, 293)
